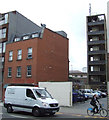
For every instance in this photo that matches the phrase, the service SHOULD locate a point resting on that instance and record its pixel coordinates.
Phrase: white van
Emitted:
(31, 99)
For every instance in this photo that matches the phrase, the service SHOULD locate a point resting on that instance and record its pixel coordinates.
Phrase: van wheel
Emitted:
(36, 112)
(51, 114)
(9, 109)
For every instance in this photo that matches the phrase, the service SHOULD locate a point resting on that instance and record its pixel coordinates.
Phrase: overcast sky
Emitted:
(66, 15)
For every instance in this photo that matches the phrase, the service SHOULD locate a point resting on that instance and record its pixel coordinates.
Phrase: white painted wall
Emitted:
(61, 91)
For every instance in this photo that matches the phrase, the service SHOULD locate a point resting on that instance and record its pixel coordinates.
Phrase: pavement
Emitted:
(1, 104)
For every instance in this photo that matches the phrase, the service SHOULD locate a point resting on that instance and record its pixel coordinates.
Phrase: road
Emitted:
(78, 110)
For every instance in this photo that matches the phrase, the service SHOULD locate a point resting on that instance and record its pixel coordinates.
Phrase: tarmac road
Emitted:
(78, 110)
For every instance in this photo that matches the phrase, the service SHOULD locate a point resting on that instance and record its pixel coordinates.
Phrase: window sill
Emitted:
(19, 60)
(28, 58)
(10, 60)
(18, 76)
(29, 76)
(9, 76)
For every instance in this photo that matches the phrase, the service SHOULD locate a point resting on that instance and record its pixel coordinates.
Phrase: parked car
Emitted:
(88, 92)
(103, 94)
(97, 93)
(81, 96)
(86, 96)
(78, 96)
(74, 96)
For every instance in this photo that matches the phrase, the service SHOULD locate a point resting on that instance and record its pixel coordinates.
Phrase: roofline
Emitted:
(96, 15)
(56, 33)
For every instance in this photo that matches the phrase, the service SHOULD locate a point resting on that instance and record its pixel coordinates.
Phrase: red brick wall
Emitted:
(49, 59)
(52, 57)
(24, 45)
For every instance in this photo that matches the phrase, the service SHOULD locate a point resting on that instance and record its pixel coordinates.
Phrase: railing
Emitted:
(97, 72)
(101, 62)
(96, 32)
(96, 42)
(96, 23)
(96, 52)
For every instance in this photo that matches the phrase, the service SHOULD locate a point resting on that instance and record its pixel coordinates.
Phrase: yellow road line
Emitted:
(78, 115)
(59, 113)
(86, 116)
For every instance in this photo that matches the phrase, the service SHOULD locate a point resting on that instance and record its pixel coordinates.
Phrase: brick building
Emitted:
(38, 56)
(78, 78)
(11, 24)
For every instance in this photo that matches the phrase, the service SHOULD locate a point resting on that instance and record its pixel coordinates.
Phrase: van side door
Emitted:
(29, 98)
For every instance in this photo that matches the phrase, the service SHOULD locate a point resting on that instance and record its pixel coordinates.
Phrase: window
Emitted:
(29, 70)
(0, 47)
(10, 55)
(3, 33)
(17, 39)
(2, 21)
(25, 37)
(1, 62)
(9, 72)
(29, 53)
(35, 35)
(4, 47)
(81, 75)
(42, 93)
(19, 56)
(76, 75)
(1, 59)
(19, 71)
(30, 94)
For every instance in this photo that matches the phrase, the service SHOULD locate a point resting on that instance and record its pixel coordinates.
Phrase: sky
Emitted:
(66, 15)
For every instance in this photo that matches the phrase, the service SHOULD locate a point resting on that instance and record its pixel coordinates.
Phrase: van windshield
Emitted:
(42, 93)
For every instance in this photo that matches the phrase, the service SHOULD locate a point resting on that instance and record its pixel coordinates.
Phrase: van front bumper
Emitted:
(49, 110)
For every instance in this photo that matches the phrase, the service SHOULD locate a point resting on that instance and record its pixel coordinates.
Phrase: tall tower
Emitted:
(97, 51)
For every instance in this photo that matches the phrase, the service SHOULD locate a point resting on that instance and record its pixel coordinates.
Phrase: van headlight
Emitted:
(45, 104)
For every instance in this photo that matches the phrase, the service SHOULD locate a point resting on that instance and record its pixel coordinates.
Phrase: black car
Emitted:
(78, 96)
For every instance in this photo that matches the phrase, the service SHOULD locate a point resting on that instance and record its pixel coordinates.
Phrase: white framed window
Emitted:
(25, 37)
(10, 55)
(19, 71)
(17, 39)
(10, 72)
(35, 35)
(4, 47)
(29, 53)
(29, 70)
(19, 56)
